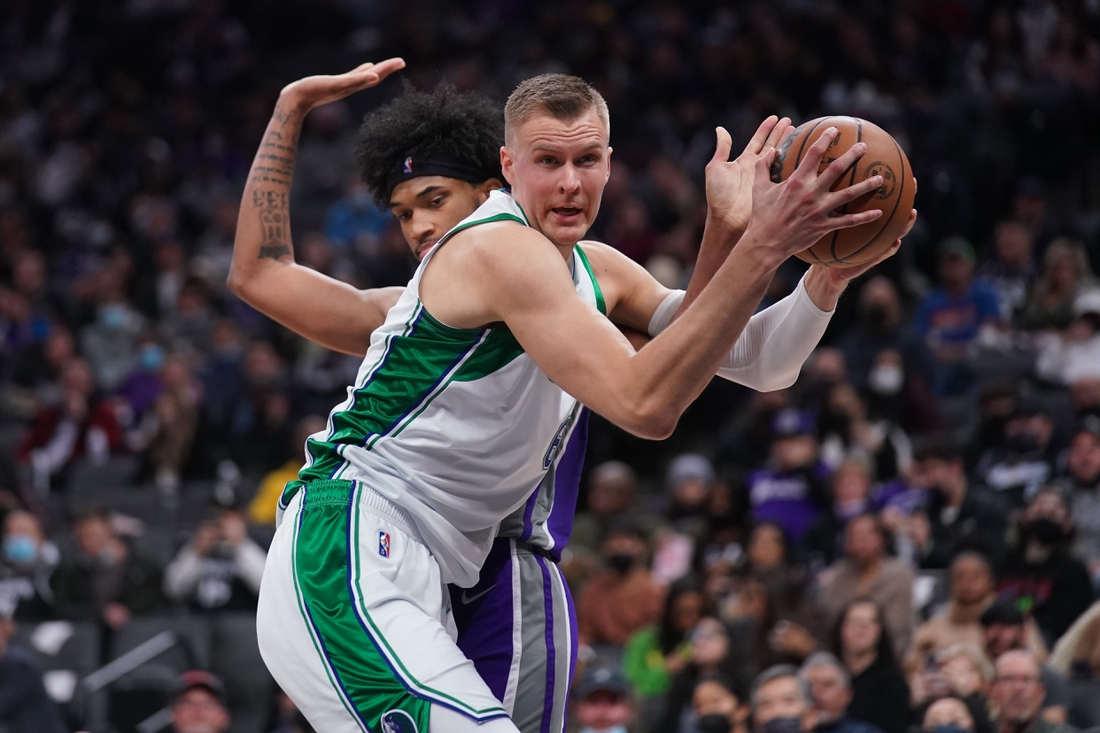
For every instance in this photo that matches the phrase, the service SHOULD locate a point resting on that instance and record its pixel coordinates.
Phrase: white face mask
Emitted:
(886, 379)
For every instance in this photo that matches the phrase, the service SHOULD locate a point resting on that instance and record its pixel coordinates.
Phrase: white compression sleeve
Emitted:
(775, 343)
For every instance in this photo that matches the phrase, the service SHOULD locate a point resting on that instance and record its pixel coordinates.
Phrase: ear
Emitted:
(483, 189)
(507, 164)
(607, 165)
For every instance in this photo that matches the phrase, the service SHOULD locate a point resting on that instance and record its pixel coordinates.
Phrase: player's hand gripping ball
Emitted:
(884, 157)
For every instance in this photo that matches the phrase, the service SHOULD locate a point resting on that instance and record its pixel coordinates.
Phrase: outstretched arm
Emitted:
(263, 272)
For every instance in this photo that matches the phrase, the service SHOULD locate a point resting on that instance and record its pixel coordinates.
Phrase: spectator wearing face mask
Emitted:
(1022, 460)
(947, 715)
(28, 562)
(831, 689)
(601, 702)
(1016, 696)
(720, 705)
(1039, 576)
(712, 651)
(958, 516)
(623, 598)
(781, 702)
(848, 432)
(105, 579)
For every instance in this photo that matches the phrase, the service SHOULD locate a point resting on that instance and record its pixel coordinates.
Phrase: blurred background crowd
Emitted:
(912, 532)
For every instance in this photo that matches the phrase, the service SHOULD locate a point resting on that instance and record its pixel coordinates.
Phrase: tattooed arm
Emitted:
(263, 272)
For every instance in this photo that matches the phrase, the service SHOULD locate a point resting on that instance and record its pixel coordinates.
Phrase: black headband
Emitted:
(436, 165)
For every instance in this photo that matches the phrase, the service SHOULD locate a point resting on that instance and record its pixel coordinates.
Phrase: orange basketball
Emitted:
(884, 157)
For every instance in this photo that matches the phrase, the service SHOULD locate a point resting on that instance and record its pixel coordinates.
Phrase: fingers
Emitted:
(909, 225)
(722, 149)
(387, 67)
(762, 135)
(847, 221)
(779, 132)
(807, 169)
(837, 168)
(851, 193)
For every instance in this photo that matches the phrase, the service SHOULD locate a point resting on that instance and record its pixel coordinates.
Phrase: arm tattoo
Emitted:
(274, 225)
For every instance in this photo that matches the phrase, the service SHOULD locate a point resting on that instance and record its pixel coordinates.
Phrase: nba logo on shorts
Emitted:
(384, 548)
(397, 721)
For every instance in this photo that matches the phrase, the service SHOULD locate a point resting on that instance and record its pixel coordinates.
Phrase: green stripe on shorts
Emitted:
(359, 672)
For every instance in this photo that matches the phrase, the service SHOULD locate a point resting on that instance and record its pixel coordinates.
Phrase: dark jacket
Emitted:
(74, 585)
(24, 705)
(880, 696)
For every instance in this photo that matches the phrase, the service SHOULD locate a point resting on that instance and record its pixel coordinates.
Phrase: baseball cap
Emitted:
(606, 679)
(1001, 612)
(199, 678)
(689, 466)
(1089, 423)
(956, 246)
(790, 422)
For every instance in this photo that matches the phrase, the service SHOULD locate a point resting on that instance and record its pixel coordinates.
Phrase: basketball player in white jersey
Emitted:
(407, 386)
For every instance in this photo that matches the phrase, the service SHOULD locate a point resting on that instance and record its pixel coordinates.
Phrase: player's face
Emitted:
(428, 207)
(558, 170)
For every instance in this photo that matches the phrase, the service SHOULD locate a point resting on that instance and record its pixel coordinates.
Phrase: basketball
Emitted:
(884, 157)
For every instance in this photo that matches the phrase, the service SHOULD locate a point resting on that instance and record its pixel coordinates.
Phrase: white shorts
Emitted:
(355, 625)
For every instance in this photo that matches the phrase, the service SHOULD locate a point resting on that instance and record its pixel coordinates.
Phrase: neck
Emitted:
(869, 567)
(1012, 726)
(856, 662)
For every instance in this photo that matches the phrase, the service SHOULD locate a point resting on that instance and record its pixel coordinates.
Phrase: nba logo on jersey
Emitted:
(397, 721)
(408, 168)
(384, 544)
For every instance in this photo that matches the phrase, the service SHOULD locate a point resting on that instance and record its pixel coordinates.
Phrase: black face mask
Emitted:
(620, 563)
(876, 316)
(1045, 531)
(945, 729)
(782, 725)
(713, 724)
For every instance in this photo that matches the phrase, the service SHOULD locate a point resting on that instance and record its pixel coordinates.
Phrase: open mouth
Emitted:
(567, 213)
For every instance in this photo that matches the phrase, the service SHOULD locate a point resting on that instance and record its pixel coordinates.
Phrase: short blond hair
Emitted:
(561, 96)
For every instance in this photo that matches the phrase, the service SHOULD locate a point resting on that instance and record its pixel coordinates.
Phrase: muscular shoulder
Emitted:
(620, 277)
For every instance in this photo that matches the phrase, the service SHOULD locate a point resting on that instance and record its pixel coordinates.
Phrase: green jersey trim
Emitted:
(600, 304)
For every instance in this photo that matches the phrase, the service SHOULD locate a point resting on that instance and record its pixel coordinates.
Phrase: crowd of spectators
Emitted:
(910, 536)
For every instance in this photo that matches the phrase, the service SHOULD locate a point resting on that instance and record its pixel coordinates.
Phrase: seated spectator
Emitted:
(851, 488)
(81, 425)
(200, 706)
(106, 579)
(1017, 696)
(166, 433)
(867, 571)
(1066, 275)
(1022, 459)
(790, 492)
(24, 705)
(720, 705)
(1082, 485)
(958, 515)
(880, 325)
(780, 702)
(958, 671)
(623, 598)
(947, 715)
(848, 432)
(711, 652)
(1038, 575)
(265, 504)
(689, 484)
(28, 562)
(110, 342)
(970, 580)
(1084, 673)
(1074, 354)
(880, 694)
(950, 317)
(1012, 271)
(655, 654)
(612, 487)
(602, 702)
(773, 621)
(1005, 629)
(219, 569)
(37, 372)
(831, 690)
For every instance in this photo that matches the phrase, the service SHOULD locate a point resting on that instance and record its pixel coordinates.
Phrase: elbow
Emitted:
(778, 381)
(652, 423)
(235, 282)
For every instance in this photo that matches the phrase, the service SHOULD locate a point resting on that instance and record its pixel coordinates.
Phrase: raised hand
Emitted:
(730, 182)
(790, 216)
(313, 91)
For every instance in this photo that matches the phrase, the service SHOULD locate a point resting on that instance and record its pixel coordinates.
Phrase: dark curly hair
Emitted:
(468, 127)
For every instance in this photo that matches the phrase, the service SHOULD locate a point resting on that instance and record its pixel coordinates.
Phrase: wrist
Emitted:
(290, 103)
(824, 287)
(760, 252)
(725, 225)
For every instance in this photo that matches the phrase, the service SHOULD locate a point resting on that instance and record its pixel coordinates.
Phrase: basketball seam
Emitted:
(897, 201)
(798, 160)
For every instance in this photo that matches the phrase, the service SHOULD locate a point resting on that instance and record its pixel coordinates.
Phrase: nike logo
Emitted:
(466, 599)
